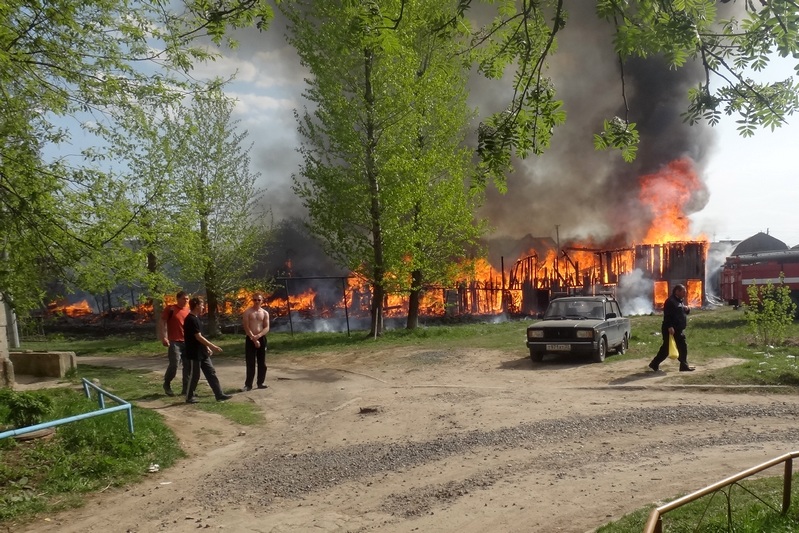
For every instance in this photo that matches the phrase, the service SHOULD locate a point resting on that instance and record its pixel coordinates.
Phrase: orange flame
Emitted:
(661, 293)
(485, 290)
(303, 301)
(79, 309)
(693, 289)
(667, 193)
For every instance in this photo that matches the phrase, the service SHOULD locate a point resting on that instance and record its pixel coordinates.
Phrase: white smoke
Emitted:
(635, 293)
(716, 256)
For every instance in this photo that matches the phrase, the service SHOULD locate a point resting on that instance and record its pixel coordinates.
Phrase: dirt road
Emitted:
(419, 440)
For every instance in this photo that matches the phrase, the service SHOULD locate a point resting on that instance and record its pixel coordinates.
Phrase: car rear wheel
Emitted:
(601, 351)
(536, 357)
(625, 343)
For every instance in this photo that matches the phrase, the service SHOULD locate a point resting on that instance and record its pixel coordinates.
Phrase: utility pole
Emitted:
(557, 254)
(10, 319)
(6, 366)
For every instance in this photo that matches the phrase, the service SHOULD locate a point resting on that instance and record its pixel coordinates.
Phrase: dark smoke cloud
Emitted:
(590, 194)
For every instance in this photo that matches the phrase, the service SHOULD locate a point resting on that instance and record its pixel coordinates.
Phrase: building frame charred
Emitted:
(523, 290)
(661, 266)
(530, 284)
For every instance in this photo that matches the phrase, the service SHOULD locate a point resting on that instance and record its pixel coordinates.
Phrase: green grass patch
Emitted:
(117, 345)
(142, 385)
(84, 456)
(88, 455)
(754, 507)
(507, 335)
(242, 413)
(722, 333)
(711, 333)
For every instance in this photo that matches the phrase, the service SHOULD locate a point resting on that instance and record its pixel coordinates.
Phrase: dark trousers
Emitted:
(204, 365)
(177, 353)
(663, 352)
(255, 357)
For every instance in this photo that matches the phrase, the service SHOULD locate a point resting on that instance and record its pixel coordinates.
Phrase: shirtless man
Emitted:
(256, 325)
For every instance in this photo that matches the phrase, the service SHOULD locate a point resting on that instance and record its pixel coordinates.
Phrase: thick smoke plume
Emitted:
(593, 195)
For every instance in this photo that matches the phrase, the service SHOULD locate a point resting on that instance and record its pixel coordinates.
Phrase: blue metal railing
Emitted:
(87, 387)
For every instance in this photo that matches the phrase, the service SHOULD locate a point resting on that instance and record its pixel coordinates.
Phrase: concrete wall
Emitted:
(43, 364)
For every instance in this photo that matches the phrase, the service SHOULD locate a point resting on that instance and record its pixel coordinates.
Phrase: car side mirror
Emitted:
(610, 315)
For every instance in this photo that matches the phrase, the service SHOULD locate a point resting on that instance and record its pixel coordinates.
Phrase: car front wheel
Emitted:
(601, 351)
(625, 343)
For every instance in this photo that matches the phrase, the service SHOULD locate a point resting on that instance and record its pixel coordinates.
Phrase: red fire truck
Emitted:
(741, 271)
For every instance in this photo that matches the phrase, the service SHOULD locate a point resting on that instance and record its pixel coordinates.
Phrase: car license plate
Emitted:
(559, 347)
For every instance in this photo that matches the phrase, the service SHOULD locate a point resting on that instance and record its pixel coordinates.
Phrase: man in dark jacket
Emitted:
(674, 323)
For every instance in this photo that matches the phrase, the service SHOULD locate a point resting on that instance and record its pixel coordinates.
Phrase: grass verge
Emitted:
(752, 506)
(47, 475)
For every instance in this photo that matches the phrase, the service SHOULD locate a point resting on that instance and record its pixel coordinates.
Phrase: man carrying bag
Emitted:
(675, 320)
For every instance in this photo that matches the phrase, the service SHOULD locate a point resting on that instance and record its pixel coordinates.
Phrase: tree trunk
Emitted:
(6, 367)
(376, 328)
(413, 300)
(209, 276)
(212, 293)
(375, 209)
(158, 303)
(213, 328)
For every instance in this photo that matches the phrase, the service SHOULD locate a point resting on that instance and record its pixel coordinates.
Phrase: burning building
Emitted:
(658, 268)
(651, 250)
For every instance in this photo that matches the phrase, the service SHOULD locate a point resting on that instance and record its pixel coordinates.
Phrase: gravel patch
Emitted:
(265, 476)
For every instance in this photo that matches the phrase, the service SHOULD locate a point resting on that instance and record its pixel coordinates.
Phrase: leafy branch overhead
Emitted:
(732, 41)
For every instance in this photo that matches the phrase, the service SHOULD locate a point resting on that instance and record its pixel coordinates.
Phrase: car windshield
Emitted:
(581, 309)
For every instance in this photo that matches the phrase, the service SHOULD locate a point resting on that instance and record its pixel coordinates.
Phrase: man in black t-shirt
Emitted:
(198, 353)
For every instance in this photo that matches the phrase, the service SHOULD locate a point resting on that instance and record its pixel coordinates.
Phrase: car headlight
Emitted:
(585, 333)
(535, 333)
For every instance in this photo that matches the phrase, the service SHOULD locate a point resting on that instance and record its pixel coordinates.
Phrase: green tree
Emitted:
(382, 145)
(220, 229)
(147, 209)
(439, 227)
(91, 62)
(770, 311)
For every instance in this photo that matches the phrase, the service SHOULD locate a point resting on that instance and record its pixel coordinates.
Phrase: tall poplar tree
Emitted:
(382, 144)
(219, 226)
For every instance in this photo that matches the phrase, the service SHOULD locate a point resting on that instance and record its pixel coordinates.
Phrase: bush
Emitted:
(771, 311)
(25, 408)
